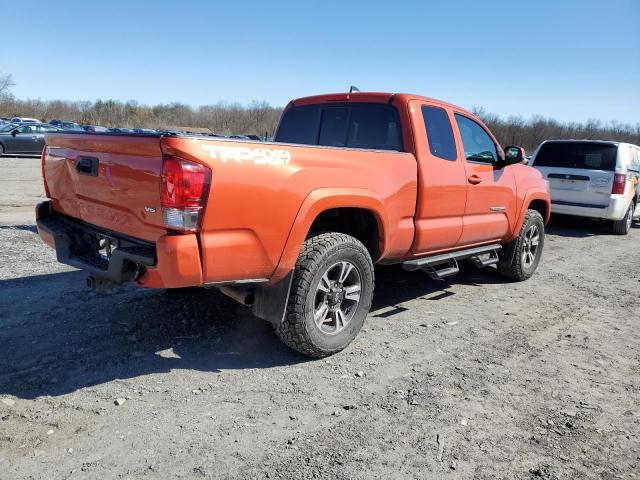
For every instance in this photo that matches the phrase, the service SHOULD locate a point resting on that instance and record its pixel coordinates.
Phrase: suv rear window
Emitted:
(590, 156)
(370, 126)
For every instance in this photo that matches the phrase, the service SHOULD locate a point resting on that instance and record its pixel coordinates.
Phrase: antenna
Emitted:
(354, 89)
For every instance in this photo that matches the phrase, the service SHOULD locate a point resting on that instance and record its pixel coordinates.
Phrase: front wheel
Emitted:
(519, 259)
(623, 226)
(330, 297)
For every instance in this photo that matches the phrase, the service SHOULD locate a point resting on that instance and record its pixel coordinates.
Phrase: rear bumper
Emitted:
(615, 210)
(172, 262)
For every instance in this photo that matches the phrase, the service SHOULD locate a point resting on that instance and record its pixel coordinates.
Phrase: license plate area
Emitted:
(567, 184)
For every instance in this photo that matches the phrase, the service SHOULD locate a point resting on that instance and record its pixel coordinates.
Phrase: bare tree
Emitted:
(6, 82)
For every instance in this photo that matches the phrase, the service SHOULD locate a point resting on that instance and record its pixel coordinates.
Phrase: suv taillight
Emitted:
(619, 182)
(185, 186)
(43, 161)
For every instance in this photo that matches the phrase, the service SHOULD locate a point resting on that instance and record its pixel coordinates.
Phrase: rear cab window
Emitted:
(300, 125)
(354, 125)
(580, 155)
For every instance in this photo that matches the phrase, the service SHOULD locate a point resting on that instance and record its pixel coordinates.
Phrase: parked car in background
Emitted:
(66, 125)
(592, 178)
(94, 128)
(24, 138)
(72, 126)
(144, 131)
(294, 227)
(24, 120)
(119, 130)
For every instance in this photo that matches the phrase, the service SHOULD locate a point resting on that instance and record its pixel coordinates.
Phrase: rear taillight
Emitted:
(185, 186)
(619, 182)
(43, 161)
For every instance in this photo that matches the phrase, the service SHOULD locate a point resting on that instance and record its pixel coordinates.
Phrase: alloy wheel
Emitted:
(530, 248)
(337, 297)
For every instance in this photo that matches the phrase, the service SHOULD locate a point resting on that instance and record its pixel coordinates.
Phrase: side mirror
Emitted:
(14, 132)
(513, 155)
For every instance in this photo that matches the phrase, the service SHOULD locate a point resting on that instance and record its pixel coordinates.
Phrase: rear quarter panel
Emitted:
(266, 195)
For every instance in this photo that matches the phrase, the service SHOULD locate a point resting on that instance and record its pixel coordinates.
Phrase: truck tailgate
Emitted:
(110, 181)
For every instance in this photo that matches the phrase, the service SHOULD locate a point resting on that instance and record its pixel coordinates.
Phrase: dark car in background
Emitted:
(144, 131)
(71, 126)
(94, 128)
(24, 139)
(66, 125)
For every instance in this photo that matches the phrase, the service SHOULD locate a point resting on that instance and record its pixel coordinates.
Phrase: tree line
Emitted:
(224, 118)
(529, 133)
(261, 118)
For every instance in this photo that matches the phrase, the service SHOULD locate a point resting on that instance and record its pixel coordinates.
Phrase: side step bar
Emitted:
(450, 260)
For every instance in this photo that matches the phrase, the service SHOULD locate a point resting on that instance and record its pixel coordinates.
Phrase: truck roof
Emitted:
(368, 97)
(586, 140)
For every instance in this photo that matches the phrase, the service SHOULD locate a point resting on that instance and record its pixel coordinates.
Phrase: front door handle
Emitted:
(474, 179)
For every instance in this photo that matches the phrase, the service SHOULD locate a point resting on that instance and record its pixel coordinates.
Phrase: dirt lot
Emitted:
(470, 378)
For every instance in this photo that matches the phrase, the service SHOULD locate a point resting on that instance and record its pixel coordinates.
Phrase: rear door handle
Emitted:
(87, 166)
(474, 179)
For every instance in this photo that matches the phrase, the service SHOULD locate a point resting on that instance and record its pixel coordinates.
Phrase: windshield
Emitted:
(7, 128)
(585, 155)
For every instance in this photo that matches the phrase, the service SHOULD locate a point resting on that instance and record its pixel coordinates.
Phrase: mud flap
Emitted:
(271, 300)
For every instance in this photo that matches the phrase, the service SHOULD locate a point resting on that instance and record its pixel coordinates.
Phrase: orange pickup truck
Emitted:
(293, 227)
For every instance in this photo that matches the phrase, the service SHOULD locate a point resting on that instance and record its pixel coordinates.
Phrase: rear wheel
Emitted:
(519, 259)
(330, 295)
(1, 150)
(622, 227)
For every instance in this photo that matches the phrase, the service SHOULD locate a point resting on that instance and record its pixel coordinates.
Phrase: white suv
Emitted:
(592, 178)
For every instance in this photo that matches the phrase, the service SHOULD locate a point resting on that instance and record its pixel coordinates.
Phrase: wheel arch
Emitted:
(541, 206)
(535, 199)
(328, 208)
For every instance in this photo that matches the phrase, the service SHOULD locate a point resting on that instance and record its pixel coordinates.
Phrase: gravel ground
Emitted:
(469, 378)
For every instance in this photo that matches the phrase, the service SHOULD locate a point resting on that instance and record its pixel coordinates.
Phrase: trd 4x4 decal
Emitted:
(260, 156)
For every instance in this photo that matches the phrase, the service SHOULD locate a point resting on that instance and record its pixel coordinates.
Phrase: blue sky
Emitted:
(570, 59)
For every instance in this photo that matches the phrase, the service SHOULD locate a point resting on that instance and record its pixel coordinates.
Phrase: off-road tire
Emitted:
(298, 329)
(511, 263)
(623, 226)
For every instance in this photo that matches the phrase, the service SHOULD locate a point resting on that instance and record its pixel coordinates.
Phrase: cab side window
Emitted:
(439, 133)
(478, 145)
